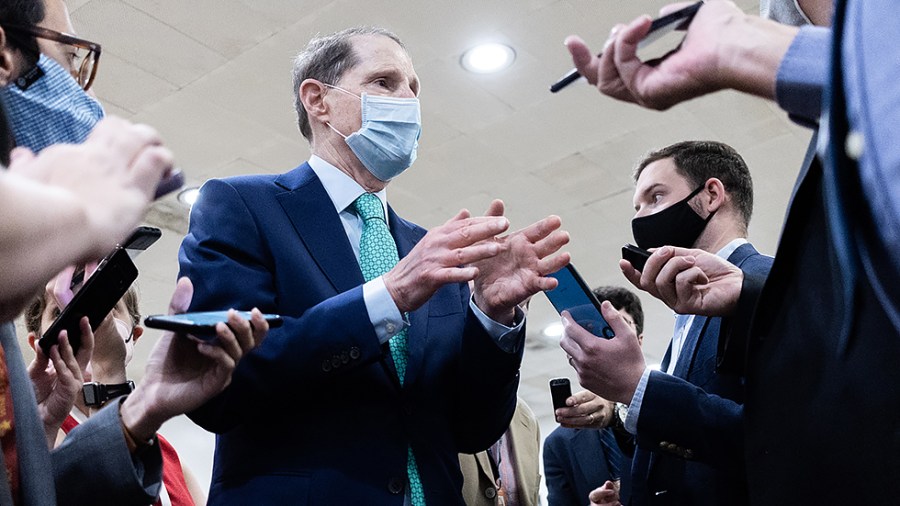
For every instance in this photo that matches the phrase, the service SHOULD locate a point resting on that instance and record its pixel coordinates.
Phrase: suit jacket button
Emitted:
(336, 361)
(354, 353)
(345, 357)
(395, 485)
(854, 145)
(490, 492)
(326, 366)
(664, 445)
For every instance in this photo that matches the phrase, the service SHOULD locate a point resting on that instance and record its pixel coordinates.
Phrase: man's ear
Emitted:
(641, 339)
(715, 189)
(312, 96)
(32, 341)
(7, 61)
(136, 333)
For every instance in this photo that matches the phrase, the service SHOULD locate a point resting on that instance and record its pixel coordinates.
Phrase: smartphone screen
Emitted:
(574, 296)
(201, 324)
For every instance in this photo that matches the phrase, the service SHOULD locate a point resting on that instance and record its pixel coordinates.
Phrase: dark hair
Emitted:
(326, 59)
(35, 310)
(623, 298)
(698, 161)
(22, 13)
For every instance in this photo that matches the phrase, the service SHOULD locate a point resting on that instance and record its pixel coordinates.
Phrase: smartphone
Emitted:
(99, 295)
(169, 184)
(661, 26)
(573, 295)
(201, 325)
(141, 239)
(560, 390)
(637, 256)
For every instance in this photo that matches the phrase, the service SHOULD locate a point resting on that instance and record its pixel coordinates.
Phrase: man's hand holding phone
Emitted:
(724, 48)
(182, 374)
(689, 281)
(611, 368)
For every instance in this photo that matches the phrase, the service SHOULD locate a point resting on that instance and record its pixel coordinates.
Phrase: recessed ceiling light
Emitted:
(189, 195)
(488, 58)
(554, 330)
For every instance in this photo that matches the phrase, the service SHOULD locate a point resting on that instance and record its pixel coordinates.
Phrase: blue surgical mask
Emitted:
(388, 138)
(49, 107)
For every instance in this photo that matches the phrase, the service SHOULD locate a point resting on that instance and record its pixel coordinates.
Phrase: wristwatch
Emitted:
(620, 411)
(96, 394)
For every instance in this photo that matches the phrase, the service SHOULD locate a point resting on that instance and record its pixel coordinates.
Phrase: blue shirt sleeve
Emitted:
(803, 74)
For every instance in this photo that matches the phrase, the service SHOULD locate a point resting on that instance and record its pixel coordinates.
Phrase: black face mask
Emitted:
(677, 225)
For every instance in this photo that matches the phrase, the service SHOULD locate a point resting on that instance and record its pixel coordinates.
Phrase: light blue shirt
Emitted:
(383, 312)
(634, 409)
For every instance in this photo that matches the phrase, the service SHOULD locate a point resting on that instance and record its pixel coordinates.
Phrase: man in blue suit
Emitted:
(686, 418)
(384, 370)
(823, 330)
(582, 454)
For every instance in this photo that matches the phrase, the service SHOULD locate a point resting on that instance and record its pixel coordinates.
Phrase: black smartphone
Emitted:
(142, 238)
(174, 181)
(636, 255)
(201, 325)
(560, 390)
(99, 295)
(573, 295)
(139, 240)
(660, 26)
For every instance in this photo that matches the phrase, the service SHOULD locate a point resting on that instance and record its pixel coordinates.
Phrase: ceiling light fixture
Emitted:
(189, 195)
(488, 58)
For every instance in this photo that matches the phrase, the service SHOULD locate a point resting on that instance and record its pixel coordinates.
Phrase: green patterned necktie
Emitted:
(377, 255)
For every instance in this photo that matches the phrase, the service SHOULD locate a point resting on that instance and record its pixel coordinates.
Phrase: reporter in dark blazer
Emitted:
(686, 418)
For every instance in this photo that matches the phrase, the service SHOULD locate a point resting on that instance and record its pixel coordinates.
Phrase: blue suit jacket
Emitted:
(576, 461)
(805, 360)
(315, 415)
(689, 433)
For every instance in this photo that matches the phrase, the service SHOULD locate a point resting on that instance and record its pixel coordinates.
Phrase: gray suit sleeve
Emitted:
(93, 465)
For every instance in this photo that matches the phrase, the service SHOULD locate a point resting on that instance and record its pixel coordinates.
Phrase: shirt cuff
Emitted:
(509, 339)
(634, 409)
(383, 313)
(803, 73)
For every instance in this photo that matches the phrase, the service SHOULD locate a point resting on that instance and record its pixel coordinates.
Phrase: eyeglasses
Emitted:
(84, 60)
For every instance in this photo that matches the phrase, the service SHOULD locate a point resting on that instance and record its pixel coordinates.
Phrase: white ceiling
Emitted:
(213, 76)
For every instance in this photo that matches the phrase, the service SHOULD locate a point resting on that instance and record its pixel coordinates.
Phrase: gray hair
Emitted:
(326, 59)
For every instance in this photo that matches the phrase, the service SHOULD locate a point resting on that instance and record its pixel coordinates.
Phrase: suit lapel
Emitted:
(698, 325)
(664, 365)
(524, 440)
(314, 218)
(689, 347)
